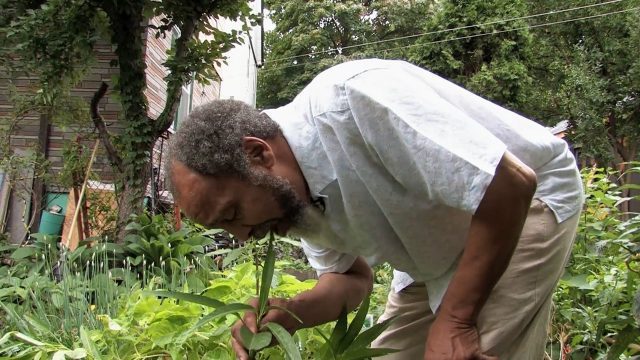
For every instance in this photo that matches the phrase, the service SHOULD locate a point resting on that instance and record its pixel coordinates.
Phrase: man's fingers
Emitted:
(250, 318)
(250, 321)
(241, 353)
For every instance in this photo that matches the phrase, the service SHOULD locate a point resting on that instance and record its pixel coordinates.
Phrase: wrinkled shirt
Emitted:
(402, 159)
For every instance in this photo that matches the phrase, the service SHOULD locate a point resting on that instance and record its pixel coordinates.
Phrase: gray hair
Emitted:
(209, 141)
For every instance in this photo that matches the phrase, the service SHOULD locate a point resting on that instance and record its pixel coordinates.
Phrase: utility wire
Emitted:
(552, 12)
(473, 36)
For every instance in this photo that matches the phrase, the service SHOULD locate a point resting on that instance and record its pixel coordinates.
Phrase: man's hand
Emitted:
(275, 315)
(323, 303)
(453, 340)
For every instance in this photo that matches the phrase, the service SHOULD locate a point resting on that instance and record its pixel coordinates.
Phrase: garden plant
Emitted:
(161, 296)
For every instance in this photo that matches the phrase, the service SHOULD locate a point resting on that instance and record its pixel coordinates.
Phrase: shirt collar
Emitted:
(302, 135)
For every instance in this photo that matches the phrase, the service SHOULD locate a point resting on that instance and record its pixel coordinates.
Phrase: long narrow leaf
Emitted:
(267, 277)
(325, 352)
(23, 252)
(198, 299)
(355, 326)
(222, 311)
(366, 353)
(286, 341)
(285, 310)
(339, 331)
(623, 339)
(89, 344)
(297, 243)
(26, 339)
(366, 337)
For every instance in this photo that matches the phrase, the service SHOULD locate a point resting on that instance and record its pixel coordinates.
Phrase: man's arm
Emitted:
(323, 303)
(493, 236)
(332, 294)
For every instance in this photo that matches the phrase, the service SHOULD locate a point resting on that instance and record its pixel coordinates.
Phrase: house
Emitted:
(29, 204)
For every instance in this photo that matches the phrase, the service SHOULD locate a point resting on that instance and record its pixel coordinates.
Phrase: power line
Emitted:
(552, 12)
(474, 35)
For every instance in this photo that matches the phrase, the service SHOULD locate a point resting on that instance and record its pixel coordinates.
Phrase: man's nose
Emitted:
(240, 232)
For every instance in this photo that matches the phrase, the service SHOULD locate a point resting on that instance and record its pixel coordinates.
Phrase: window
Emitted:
(186, 96)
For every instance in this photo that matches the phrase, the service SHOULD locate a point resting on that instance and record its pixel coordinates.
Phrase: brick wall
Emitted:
(26, 136)
(155, 55)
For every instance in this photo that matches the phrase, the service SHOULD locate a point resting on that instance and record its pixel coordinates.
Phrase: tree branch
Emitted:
(174, 86)
(105, 137)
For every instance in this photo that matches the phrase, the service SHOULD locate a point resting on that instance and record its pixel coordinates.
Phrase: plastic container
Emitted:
(51, 223)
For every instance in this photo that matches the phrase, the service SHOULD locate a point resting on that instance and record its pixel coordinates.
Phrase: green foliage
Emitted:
(311, 36)
(587, 72)
(349, 342)
(595, 299)
(537, 58)
(346, 341)
(495, 65)
(54, 42)
(153, 248)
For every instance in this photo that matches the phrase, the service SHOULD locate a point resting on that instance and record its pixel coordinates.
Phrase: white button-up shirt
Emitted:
(402, 158)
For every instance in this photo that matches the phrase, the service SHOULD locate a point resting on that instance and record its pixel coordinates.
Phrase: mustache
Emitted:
(261, 230)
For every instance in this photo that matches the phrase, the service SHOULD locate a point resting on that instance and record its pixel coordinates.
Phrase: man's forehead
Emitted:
(202, 198)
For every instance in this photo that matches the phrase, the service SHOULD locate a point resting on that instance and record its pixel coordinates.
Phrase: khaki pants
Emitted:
(513, 323)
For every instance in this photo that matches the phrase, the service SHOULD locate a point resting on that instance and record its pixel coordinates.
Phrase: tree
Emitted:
(578, 62)
(467, 42)
(588, 72)
(54, 40)
(311, 36)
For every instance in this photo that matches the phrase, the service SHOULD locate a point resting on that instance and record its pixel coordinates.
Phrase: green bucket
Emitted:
(51, 223)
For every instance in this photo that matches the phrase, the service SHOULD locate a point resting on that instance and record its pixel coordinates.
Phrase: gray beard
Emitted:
(310, 224)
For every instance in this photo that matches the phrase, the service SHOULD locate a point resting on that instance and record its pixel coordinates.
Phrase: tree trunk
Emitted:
(138, 137)
(130, 200)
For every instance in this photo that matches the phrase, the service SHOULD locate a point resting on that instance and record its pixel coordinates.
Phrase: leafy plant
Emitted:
(153, 248)
(596, 301)
(344, 343)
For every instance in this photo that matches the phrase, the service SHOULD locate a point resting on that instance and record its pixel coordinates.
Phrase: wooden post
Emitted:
(69, 243)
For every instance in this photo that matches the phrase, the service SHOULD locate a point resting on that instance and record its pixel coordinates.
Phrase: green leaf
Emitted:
(578, 281)
(211, 232)
(133, 226)
(89, 344)
(26, 339)
(222, 311)
(198, 299)
(285, 310)
(255, 341)
(340, 330)
(37, 324)
(623, 339)
(366, 353)
(267, 277)
(296, 243)
(78, 353)
(286, 341)
(355, 326)
(23, 252)
(232, 256)
(366, 337)
(326, 352)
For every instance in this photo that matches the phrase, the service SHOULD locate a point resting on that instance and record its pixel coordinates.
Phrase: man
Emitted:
(380, 161)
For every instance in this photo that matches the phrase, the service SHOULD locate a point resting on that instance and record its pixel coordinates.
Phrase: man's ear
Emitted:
(258, 151)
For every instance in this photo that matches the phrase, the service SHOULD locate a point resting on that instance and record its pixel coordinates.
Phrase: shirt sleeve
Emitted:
(325, 260)
(427, 144)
